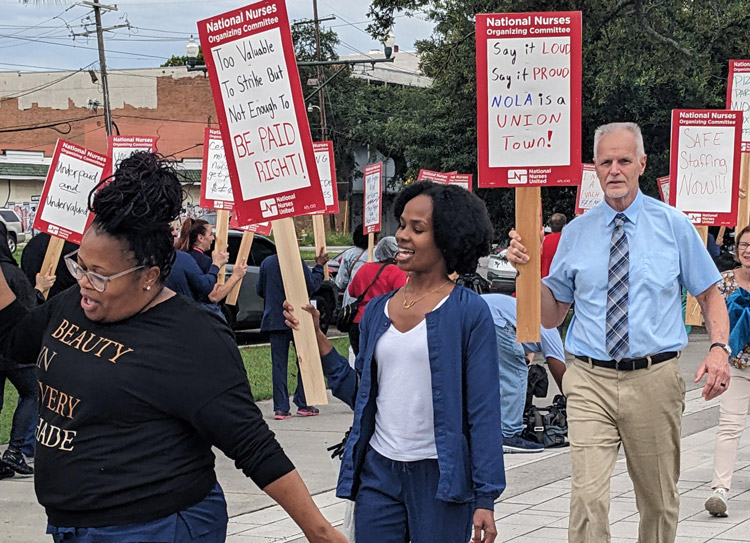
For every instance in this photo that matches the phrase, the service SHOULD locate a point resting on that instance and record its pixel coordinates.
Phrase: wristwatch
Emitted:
(727, 348)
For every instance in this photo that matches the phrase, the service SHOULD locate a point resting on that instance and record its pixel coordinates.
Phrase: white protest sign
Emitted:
(373, 197)
(216, 187)
(590, 191)
(63, 208)
(705, 163)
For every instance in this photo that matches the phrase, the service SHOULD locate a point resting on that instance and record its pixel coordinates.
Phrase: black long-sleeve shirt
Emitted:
(129, 410)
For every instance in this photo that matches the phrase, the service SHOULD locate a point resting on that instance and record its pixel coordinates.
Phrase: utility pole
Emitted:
(103, 66)
(321, 103)
(97, 7)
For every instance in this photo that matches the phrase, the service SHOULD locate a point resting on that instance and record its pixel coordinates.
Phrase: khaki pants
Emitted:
(735, 403)
(642, 410)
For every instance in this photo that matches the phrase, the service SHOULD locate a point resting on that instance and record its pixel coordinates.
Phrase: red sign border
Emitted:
(369, 169)
(660, 182)
(109, 168)
(86, 155)
(208, 135)
(497, 177)
(249, 210)
(328, 145)
(729, 218)
(584, 166)
(745, 148)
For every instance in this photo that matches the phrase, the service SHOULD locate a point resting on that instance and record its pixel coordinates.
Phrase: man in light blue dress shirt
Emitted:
(634, 398)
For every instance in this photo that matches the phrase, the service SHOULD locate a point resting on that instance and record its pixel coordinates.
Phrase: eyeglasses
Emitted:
(99, 282)
(743, 246)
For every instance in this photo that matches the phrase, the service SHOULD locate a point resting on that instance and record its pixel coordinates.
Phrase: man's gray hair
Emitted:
(610, 128)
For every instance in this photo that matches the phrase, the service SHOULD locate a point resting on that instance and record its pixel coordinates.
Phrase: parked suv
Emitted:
(249, 309)
(12, 222)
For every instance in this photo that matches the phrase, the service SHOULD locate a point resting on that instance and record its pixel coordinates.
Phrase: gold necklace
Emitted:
(408, 305)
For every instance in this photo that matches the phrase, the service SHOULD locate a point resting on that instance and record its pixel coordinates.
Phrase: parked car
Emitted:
(249, 309)
(12, 222)
(501, 274)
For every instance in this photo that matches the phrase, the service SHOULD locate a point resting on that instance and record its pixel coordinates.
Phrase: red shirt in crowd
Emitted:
(391, 278)
(549, 248)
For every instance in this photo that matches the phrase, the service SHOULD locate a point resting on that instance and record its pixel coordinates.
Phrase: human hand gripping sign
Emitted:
(516, 253)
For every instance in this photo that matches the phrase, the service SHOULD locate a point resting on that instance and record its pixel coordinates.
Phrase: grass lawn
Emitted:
(257, 361)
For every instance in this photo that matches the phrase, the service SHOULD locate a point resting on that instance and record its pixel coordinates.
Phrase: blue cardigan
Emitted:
(465, 396)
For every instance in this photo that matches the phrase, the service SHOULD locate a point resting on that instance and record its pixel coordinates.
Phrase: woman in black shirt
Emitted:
(128, 413)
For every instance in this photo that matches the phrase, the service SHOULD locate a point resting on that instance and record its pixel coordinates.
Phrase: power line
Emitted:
(42, 86)
(139, 55)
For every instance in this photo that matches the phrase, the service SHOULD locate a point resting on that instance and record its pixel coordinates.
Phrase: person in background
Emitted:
(352, 259)
(270, 287)
(23, 377)
(188, 279)
(140, 384)
(196, 238)
(32, 259)
(514, 369)
(423, 461)
(549, 246)
(734, 405)
(374, 279)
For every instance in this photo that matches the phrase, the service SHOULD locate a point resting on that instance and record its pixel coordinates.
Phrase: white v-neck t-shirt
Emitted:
(404, 421)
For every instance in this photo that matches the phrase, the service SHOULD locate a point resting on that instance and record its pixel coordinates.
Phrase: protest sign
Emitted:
(738, 96)
(256, 88)
(705, 164)
(327, 174)
(590, 191)
(463, 180)
(216, 187)
(738, 99)
(528, 98)
(663, 184)
(528, 124)
(373, 199)
(63, 208)
(435, 177)
(263, 120)
(121, 147)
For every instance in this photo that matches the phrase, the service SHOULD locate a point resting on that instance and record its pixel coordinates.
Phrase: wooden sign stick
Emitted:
(51, 258)
(245, 246)
(693, 315)
(743, 210)
(720, 236)
(222, 235)
(370, 246)
(319, 233)
(529, 225)
(295, 289)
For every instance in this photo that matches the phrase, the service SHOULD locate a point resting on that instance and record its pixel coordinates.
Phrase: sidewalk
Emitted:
(534, 507)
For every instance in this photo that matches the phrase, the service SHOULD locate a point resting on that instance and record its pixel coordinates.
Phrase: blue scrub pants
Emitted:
(396, 503)
(280, 340)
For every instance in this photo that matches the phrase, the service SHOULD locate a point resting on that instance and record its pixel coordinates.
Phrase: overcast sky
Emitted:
(37, 36)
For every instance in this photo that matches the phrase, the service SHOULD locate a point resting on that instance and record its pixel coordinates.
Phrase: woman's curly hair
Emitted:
(463, 231)
(137, 204)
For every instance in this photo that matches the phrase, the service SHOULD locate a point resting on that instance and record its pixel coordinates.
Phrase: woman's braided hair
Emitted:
(136, 205)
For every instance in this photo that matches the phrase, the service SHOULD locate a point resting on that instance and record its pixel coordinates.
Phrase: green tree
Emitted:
(174, 60)
(641, 59)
